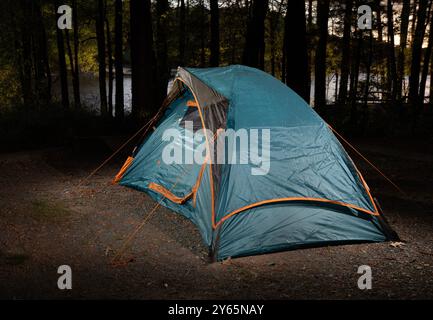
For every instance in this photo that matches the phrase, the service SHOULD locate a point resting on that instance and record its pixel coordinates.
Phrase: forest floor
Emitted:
(46, 220)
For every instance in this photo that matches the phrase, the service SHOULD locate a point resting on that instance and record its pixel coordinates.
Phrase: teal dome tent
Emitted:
(310, 194)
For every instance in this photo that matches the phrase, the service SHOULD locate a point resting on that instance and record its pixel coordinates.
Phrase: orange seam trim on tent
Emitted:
(122, 170)
(191, 103)
(256, 204)
(160, 189)
(200, 175)
(166, 193)
(198, 182)
(197, 185)
(208, 151)
(367, 189)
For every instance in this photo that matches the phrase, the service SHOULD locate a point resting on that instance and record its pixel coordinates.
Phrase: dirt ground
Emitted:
(47, 221)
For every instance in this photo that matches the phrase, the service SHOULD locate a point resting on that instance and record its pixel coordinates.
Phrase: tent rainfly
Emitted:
(306, 191)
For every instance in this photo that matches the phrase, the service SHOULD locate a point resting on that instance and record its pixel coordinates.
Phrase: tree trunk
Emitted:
(41, 52)
(214, 34)
(426, 62)
(284, 60)
(24, 50)
(392, 70)
(110, 64)
(345, 57)
(354, 80)
(142, 59)
(364, 116)
(404, 24)
(297, 56)
(273, 26)
(413, 10)
(202, 34)
(381, 54)
(320, 66)
(162, 7)
(431, 85)
(416, 53)
(337, 76)
(71, 66)
(62, 61)
(118, 59)
(100, 38)
(182, 33)
(310, 35)
(76, 71)
(254, 52)
(368, 68)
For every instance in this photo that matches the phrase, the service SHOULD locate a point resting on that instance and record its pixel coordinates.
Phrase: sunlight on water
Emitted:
(89, 89)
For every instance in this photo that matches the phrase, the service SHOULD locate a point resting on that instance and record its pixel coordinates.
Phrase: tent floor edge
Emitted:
(390, 234)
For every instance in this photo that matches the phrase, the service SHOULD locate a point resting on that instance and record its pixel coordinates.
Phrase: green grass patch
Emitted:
(15, 258)
(47, 210)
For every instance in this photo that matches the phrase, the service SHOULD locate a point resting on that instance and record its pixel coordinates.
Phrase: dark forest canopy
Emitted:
(315, 46)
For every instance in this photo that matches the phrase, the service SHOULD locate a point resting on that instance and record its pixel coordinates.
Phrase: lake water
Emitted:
(89, 90)
(89, 86)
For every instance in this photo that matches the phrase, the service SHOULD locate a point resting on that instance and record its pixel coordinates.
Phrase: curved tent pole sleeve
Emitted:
(168, 194)
(207, 150)
(270, 201)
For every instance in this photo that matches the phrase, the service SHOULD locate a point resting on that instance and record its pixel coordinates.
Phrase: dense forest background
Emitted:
(368, 82)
